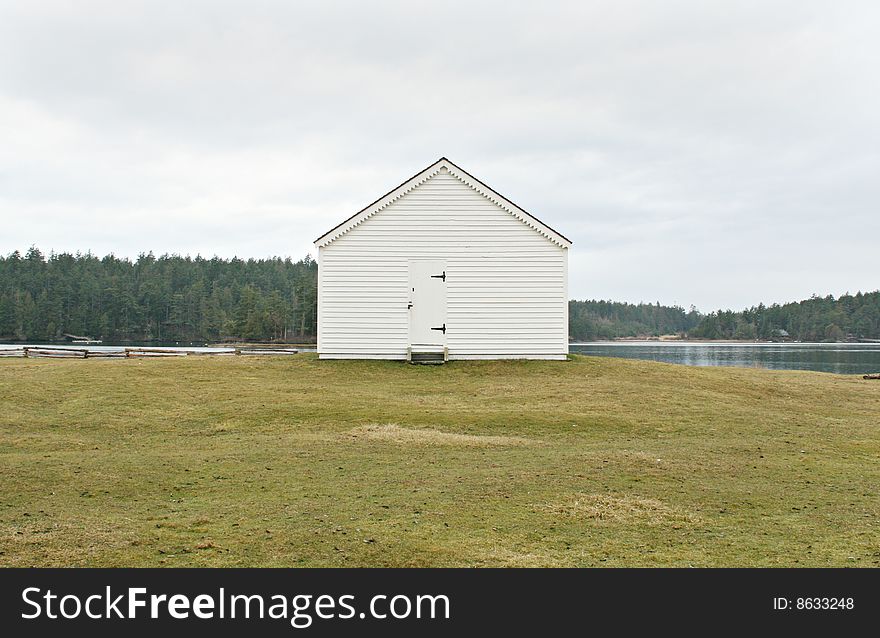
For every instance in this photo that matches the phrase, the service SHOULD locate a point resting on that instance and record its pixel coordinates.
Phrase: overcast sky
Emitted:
(710, 153)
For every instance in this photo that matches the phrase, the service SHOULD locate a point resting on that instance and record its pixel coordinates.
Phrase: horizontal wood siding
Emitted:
(506, 283)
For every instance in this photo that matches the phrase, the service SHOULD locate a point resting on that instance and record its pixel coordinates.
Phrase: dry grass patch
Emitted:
(393, 433)
(499, 555)
(606, 508)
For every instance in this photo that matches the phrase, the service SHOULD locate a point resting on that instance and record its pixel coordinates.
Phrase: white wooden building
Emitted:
(442, 266)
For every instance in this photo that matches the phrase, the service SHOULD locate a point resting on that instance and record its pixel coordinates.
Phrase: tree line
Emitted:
(589, 320)
(172, 298)
(849, 317)
(168, 298)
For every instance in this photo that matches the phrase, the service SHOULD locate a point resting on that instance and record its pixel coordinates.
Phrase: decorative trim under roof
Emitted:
(443, 165)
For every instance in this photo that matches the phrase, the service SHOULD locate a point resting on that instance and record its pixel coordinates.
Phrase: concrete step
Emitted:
(429, 354)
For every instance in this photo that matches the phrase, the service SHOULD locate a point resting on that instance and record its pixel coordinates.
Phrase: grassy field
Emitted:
(289, 461)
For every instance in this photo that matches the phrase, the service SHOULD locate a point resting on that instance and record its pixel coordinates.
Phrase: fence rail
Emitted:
(44, 352)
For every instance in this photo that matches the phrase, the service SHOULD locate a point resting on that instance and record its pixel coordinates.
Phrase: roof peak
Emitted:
(423, 176)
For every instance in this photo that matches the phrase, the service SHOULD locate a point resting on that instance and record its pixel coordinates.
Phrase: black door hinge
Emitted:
(443, 277)
(441, 329)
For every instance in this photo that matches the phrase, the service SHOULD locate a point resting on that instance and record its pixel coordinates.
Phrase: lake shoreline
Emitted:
(313, 344)
(833, 357)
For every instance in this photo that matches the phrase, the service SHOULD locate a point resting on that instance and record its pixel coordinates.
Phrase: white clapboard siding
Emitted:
(506, 275)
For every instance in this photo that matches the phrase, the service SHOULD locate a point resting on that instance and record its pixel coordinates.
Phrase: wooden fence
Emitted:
(85, 353)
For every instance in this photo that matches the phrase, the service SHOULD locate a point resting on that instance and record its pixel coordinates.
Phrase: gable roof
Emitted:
(423, 176)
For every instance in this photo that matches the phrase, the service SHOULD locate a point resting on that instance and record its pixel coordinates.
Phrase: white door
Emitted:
(427, 311)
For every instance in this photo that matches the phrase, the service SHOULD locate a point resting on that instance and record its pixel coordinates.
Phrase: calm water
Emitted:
(842, 358)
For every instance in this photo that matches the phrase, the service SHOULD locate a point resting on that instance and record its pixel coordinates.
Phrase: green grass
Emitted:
(289, 461)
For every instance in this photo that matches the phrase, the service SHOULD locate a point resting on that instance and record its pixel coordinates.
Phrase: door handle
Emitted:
(409, 305)
(443, 276)
(441, 329)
